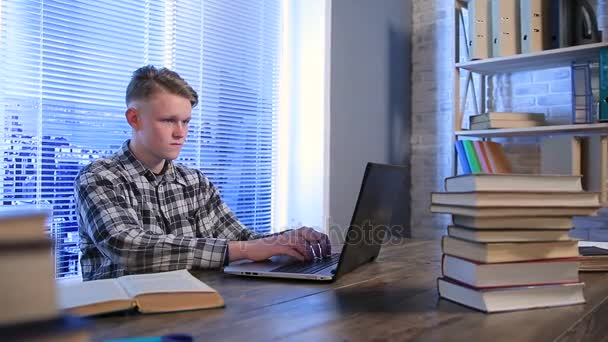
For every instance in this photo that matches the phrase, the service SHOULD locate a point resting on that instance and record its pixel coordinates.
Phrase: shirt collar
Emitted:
(135, 168)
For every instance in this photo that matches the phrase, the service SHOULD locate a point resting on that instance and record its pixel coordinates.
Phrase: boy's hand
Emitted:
(303, 244)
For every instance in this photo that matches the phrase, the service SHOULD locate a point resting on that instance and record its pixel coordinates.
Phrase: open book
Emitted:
(149, 293)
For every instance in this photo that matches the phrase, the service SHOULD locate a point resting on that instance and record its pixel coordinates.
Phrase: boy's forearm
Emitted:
(237, 250)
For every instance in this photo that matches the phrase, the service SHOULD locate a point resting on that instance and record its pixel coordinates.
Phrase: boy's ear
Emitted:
(132, 116)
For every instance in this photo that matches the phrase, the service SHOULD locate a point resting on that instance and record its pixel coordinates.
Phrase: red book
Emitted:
(482, 155)
(497, 157)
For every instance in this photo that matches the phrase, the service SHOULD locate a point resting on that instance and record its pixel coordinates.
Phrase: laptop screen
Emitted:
(372, 216)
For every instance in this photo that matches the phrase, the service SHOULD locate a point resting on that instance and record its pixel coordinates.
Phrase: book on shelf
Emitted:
(496, 120)
(148, 293)
(499, 299)
(498, 159)
(510, 211)
(508, 235)
(508, 251)
(560, 155)
(512, 182)
(593, 258)
(603, 88)
(515, 222)
(595, 165)
(517, 199)
(472, 158)
(482, 156)
(507, 116)
(462, 157)
(497, 124)
(525, 273)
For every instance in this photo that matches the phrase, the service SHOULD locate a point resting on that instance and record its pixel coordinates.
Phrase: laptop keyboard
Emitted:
(309, 267)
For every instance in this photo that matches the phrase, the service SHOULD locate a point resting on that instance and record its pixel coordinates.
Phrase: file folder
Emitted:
(479, 29)
(505, 28)
(535, 31)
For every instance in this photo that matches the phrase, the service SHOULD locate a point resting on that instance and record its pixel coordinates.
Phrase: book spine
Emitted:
(471, 156)
(507, 116)
(482, 156)
(513, 285)
(462, 157)
(497, 157)
(603, 71)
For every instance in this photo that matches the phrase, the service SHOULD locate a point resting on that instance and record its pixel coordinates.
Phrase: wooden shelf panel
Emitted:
(579, 129)
(535, 61)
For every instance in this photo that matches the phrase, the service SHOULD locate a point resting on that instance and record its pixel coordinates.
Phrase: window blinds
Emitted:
(65, 66)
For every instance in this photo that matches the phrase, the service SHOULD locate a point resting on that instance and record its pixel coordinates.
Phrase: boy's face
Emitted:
(160, 125)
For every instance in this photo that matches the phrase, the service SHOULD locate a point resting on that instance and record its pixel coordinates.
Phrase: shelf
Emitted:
(579, 129)
(535, 61)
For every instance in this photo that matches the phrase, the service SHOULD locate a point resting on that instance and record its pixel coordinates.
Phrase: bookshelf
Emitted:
(535, 61)
(480, 70)
(578, 130)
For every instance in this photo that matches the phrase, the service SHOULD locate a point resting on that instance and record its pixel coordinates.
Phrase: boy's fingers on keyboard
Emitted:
(298, 243)
(287, 250)
(326, 245)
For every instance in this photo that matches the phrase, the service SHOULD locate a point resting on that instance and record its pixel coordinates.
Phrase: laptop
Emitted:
(364, 237)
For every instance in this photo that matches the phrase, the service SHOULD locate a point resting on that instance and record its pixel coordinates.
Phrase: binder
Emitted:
(535, 30)
(585, 23)
(479, 29)
(561, 14)
(603, 71)
(505, 28)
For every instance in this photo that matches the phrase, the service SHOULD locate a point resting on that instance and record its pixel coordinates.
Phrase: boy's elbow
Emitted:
(129, 254)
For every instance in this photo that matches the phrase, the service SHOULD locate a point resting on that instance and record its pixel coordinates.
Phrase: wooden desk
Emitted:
(394, 298)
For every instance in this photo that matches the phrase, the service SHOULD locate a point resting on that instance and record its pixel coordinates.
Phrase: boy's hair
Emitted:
(147, 80)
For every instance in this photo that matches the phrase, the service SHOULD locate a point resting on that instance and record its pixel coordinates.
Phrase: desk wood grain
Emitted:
(394, 298)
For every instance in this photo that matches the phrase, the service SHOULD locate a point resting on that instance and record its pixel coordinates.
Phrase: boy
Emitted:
(138, 212)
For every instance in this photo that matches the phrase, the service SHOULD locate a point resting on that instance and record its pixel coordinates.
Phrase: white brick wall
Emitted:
(432, 92)
(545, 91)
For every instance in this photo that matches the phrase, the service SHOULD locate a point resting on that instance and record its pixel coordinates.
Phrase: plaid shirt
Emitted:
(132, 221)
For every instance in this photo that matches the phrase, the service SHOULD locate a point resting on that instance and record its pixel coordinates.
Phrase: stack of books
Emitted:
(593, 257)
(28, 294)
(492, 120)
(509, 246)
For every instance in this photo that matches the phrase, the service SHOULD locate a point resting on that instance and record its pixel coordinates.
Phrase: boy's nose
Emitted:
(180, 130)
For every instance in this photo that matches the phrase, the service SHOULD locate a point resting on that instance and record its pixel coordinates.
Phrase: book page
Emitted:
(164, 282)
(72, 294)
